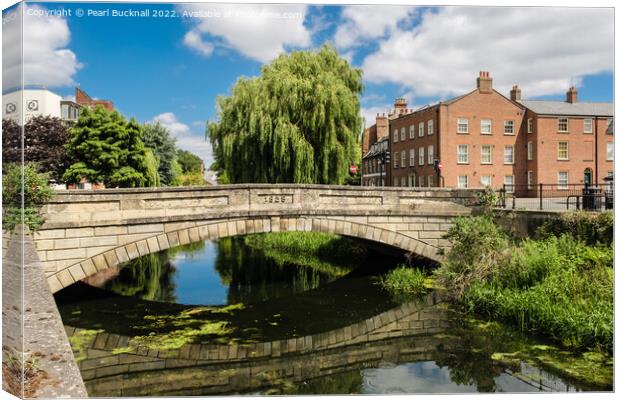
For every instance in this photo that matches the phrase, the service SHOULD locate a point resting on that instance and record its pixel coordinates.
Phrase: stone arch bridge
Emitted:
(88, 231)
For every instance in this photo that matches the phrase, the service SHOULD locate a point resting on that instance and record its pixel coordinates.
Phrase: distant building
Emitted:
(483, 138)
(24, 104)
(84, 100)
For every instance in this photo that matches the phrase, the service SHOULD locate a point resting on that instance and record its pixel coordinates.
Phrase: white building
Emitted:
(29, 103)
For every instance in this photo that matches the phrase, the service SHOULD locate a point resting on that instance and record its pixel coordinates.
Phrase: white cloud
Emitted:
(47, 60)
(370, 113)
(258, 31)
(361, 23)
(543, 50)
(186, 138)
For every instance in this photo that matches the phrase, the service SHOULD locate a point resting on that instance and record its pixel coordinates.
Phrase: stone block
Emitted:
(184, 237)
(194, 235)
(415, 227)
(89, 267)
(121, 254)
(111, 258)
(222, 229)
(430, 234)
(232, 229)
(153, 245)
(54, 283)
(49, 234)
(44, 244)
(173, 239)
(93, 251)
(53, 255)
(145, 228)
(109, 231)
(431, 227)
(132, 251)
(143, 247)
(162, 241)
(98, 241)
(77, 272)
(100, 262)
(65, 278)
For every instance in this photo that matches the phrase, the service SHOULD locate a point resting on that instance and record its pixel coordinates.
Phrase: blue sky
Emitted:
(172, 69)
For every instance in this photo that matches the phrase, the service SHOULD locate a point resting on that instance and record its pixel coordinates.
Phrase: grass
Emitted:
(559, 286)
(332, 253)
(405, 280)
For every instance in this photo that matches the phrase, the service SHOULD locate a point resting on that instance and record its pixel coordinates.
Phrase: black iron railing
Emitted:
(545, 196)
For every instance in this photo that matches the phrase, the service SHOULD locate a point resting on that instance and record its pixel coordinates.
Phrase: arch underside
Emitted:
(209, 230)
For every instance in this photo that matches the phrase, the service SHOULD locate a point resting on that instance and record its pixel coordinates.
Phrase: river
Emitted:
(222, 317)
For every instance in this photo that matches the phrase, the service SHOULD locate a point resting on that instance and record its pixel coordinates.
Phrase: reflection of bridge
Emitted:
(398, 335)
(88, 231)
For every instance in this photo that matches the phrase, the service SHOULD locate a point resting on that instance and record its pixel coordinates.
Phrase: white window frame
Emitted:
(560, 119)
(458, 182)
(610, 154)
(482, 161)
(530, 151)
(421, 180)
(509, 123)
(486, 123)
(530, 179)
(395, 182)
(483, 184)
(431, 181)
(509, 186)
(431, 127)
(563, 185)
(403, 181)
(430, 154)
(395, 135)
(412, 157)
(403, 159)
(421, 156)
(421, 129)
(530, 125)
(462, 122)
(512, 154)
(403, 134)
(585, 129)
(411, 131)
(458, 153)
(558, 151)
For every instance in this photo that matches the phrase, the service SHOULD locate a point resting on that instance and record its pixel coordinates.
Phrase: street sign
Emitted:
(440, 166)
(353, 169)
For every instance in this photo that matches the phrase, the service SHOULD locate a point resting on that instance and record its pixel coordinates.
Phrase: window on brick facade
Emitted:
(421, 129)
(462, 182)
(610, 122)
(509, 127)
(431, 127)
(563, 180)
(402, 134)
(562, 150)
(395, 135)
(403, 159)
(485, 126)
(462, 125)
(610, 151)
(530, 179)
(421, 156)
(485, 180)
(421, 180)
(411, 180)
(509, 182)
(412, 132)
(411, 157)
(530, 125)
(530, 151)
(485, 154)
(403, 181)
(562, 124)
(431, 154)
(396, 159)
(462, 154)
(395, 181)
(509, 154)
(431, 181)
(587, 125)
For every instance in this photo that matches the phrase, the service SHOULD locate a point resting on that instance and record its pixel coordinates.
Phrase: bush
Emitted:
(36, 192)
(478, 246)
(589, 227)
(404, 280)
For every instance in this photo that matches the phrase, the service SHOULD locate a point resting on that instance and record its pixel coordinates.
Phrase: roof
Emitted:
(547, 107)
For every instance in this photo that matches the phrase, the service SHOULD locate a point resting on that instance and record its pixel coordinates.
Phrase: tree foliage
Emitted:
(45, 138)
(107, 148)
(189, 162)
(157, 137)
(297, 122)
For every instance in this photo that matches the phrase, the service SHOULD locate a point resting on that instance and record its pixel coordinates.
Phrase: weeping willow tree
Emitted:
(299, 121)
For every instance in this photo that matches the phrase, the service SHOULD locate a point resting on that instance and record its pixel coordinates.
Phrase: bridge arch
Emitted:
(192, 232)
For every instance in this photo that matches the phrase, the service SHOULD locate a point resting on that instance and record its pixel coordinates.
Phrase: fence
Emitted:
(557, 197)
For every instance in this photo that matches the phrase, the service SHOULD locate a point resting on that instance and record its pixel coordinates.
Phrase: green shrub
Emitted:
(404, 280)
(478, 246)
(36, 192)
(589, 227)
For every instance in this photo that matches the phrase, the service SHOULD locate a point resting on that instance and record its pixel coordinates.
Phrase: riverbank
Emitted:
(558, 285)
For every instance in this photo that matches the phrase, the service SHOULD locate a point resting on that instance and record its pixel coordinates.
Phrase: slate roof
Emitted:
(546, 107)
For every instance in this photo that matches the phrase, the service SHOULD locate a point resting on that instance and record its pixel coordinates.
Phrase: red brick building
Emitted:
(483, 138)
(84, 100)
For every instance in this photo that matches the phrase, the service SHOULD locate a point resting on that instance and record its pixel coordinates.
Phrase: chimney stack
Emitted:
(571, 95)
(400, 105)
(485, 82)
(515, 93)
